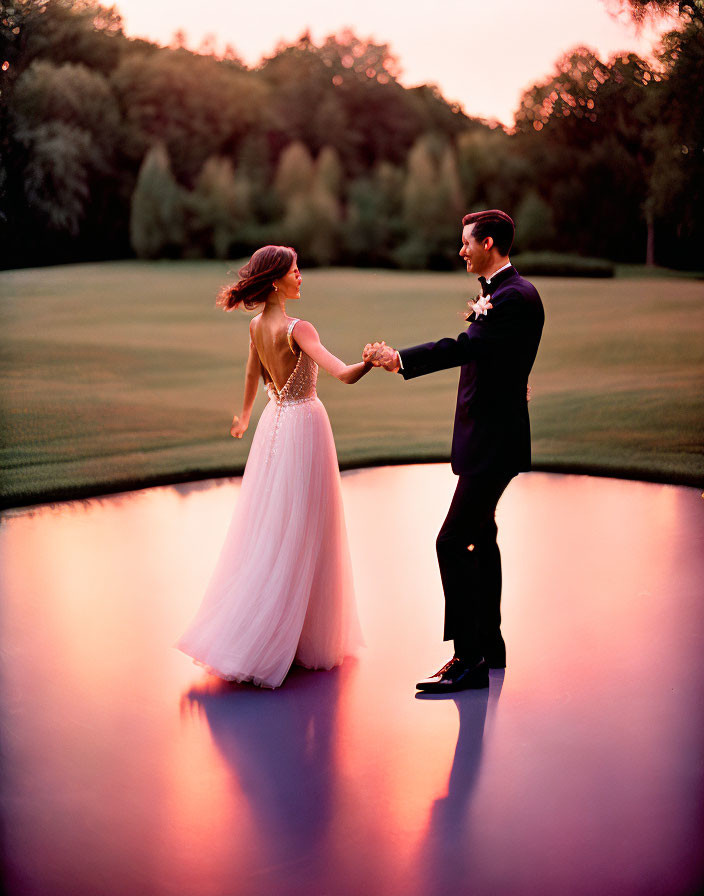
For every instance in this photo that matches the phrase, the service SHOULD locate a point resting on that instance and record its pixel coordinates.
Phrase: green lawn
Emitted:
(120, 374)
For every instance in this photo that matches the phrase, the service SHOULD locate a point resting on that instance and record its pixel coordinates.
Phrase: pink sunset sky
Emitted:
(481, 53)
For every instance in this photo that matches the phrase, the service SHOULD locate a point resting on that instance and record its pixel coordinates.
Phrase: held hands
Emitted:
(379, 354)
(238, 428)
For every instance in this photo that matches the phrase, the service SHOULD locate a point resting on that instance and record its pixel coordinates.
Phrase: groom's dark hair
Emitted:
(494, 223)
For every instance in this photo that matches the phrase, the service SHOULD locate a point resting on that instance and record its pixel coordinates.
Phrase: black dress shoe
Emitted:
(456, 676)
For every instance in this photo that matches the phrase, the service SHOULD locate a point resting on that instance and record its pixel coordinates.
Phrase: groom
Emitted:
(490, 443)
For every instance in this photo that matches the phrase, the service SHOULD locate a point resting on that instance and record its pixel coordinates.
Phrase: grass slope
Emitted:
(121, 374)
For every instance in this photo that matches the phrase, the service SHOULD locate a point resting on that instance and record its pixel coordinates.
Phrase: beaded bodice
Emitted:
(300, 386)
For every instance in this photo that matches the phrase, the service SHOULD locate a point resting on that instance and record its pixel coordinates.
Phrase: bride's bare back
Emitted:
(277, 357)
(272, 355)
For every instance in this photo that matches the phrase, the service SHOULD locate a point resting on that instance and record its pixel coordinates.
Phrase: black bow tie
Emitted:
(486, 289)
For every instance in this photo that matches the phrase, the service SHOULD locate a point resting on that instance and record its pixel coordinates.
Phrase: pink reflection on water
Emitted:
(127, 769)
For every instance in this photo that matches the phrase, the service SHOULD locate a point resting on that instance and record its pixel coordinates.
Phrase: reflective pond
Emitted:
(126, 769)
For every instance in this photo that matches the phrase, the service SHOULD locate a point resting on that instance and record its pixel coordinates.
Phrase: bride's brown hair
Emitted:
(257, 278)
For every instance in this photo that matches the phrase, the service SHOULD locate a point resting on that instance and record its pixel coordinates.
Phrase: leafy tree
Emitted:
(584, 90)
(534, 223)
(324, 247)
(197, 106)
(300, 93)
(374, 225)
(55, 176)
(364, 233)
(585, 129)
(158, 215)
(676, 139)
(676, 183)
(254, 165)
(220, 209)
(361, 59)
(78, 31)
(641, 10)
(328, 171)
(420, 190)
(81, 77)
(432, 205)
(313, 218)
(295, 173)
(311, 226)
(606, 155)
(57, 31)
(73, 94)
(344, 93)
(63, 124)
(435, 114)
(449, 187)
(493, 169)
(44, 96)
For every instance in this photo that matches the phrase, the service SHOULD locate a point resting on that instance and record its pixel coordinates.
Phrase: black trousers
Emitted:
(470, 566)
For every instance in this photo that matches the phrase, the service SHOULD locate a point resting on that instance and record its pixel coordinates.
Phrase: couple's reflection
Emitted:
(281, 749)
(444, 855)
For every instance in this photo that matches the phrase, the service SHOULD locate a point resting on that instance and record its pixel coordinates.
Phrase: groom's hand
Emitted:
(373, 352)
(390, 359)
(382, 355)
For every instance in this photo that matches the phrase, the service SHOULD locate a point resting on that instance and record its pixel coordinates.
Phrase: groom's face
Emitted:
(477, 255)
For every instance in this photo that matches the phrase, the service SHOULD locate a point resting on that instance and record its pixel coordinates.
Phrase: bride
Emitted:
(282, 588)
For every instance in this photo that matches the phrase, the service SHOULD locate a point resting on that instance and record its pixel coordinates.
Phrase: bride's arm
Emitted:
(307, 338)
(251, 384)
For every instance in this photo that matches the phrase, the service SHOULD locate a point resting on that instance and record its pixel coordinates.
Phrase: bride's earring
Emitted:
(276, 288)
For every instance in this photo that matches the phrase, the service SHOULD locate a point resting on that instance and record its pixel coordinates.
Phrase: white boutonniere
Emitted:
(481, 306)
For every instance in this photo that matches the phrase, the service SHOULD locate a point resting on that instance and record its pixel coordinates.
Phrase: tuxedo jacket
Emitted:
(495, 354)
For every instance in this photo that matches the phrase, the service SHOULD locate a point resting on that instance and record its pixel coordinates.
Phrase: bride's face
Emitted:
(290, 284)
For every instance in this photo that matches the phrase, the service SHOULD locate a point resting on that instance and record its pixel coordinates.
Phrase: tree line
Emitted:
(112, 146)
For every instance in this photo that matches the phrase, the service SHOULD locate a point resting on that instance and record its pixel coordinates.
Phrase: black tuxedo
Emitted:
(490, 445)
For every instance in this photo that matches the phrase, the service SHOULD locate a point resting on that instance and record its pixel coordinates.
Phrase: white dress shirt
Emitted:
(489, 279)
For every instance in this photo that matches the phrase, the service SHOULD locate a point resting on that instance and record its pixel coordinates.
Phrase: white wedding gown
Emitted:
(282, 588)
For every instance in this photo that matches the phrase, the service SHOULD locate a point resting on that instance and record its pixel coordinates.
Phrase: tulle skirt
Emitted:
(282, 588)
